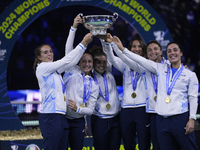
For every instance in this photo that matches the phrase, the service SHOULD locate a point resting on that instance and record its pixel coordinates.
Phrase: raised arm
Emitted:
(71, 36)
(75, 55)
(109, 64)
(132, 64)
(46, 68)
(147, 64)
(115, 61)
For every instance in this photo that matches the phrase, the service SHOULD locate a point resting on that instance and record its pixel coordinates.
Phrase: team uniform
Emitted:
(176, 102)
(105, 119)
(53, 122)
(74, 83)
(133, 117)
(150, 82)
(84, 91)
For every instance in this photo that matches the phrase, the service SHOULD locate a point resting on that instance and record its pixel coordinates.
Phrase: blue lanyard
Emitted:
(106, 86)
(86, 96)
(155, 83)
(169, 88)
(134, 81)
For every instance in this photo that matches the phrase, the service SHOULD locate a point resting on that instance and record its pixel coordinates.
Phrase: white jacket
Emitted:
(184, 93)
(128, 101)
(146, 75)
(51, 83)
(73, 82)
(100, 108)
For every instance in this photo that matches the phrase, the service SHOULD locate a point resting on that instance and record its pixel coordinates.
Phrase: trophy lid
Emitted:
(100, 18)
(97, 24)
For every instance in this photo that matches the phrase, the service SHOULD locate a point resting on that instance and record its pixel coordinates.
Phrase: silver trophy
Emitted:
(98, 24)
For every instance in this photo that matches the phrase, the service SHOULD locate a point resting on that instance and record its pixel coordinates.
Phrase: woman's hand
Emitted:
(86, 130)
(87, 39)
(118, 43)
(72, 105)
(77, 20)
(189, 127)
(108, 37)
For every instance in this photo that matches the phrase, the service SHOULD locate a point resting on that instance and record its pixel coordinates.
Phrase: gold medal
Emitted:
(167, 100)
(64, 98)
(108, 105)
(133, 95)
(155, 97)
(82, 105)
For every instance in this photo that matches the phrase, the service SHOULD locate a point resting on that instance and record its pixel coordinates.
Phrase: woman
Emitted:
(81, 92)
(154, 53)
(105, 119)
(176, 102)
(134, 100)
(52, 120)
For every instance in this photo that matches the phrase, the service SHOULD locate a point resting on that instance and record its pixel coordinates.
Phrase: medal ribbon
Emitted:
(134, 81)
(106, 86)
(86, 96)
(162, 62)
(169, 88)
(63, 86)
(155, 83)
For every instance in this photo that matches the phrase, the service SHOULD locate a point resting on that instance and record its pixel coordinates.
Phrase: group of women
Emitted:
(159, 102)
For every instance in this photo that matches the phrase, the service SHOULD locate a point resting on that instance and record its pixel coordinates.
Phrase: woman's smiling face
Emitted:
(86, 63)
(100, 64)
(136, 48)
(46, 54)
(154, 52)
(174, 54)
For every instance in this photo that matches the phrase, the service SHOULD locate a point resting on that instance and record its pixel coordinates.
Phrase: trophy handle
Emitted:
(80, 14)
(115, 16)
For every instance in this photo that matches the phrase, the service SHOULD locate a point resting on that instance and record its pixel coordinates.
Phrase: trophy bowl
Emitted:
(98, 24)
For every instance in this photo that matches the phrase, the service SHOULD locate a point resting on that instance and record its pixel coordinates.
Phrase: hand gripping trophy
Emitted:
(98, 24)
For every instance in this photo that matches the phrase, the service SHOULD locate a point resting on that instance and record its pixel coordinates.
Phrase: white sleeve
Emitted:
(193, 96)
(84, 110)
(132, 64)
(147, 64)
(70, 40)
(68, 61)
(105, 50)
(75, 56)
(115, 61)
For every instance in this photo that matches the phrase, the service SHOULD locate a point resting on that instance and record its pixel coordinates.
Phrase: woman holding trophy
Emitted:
(154, 53)
(176, 102)
(134, 100)
(105, 123)
(81, 91)
(52, 119)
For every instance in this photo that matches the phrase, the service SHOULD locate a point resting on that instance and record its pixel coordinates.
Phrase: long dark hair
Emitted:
(37, 52)
(142, 43)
